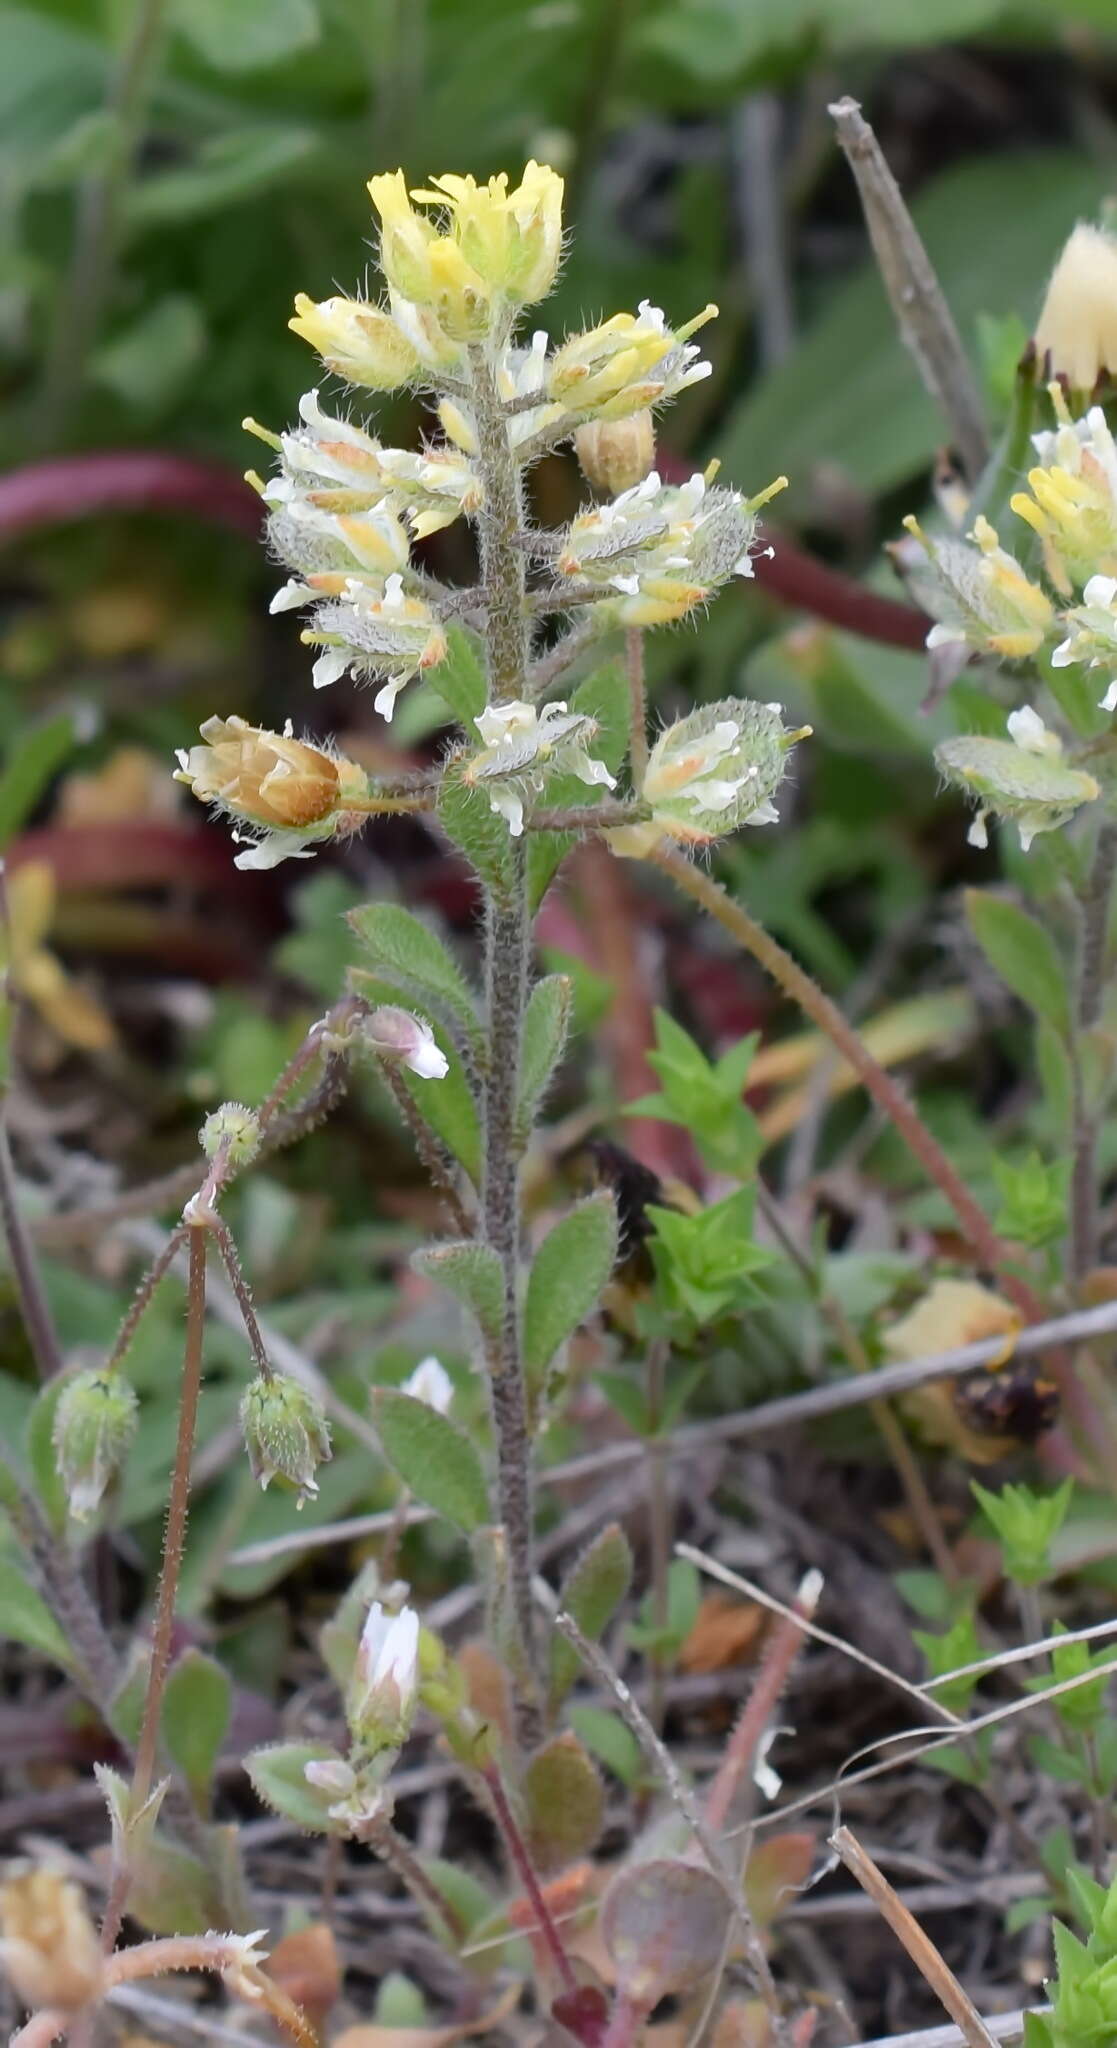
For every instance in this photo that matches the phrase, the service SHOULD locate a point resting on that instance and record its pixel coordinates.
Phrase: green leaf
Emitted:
(591, 1593)
(405, 950)
(479, 833)
(42, 1457)
(33, 756)
(603, 696)
(148, 364)
(231, 166)
(546, 1023)
(564, 1802)
(197, 1702)
(278, 1775)
(1024, 955)
(473, 1273)
(460, 680)
(847, 394)
(609, 1741)
(433, 1457)
(26, 1618)
(248, 34)
(568, 1273)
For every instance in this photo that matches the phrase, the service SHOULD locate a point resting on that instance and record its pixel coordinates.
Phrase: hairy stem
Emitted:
(638, 705)
(1094, 905)
(659, 1524)
(884, 1089)
(62, 1587)
(174, 1540)
(786, 1641)
(33, 1305)
(525, 1870)
(398, 1854)
(507, 947)
(437, 1162)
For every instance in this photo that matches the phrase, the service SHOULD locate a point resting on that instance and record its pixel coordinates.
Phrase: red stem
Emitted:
(786, 1641)
(517, 1850)
(796, 578)
(66, 487)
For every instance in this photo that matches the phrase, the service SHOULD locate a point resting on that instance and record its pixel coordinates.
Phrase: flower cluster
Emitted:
(662, 548)
(709, 774)
(521, 744)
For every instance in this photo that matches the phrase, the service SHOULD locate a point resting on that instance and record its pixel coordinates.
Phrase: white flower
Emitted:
(395, 1034)
(1093, 634)
(664, 547)
(331, 1774)
(430, 1383)
(520, 742)
(382, 1692)
(1028, 730)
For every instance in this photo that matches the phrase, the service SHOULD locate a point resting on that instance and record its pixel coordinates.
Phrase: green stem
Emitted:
(174, 1542)
(31, 1294)
(885, 1090)
(507, 951)
(1094, 908)
(97, 223)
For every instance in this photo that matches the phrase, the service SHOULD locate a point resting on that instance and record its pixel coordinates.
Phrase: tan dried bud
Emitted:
(615, 455)
(269, 778)
(1076, 334)
(48, 1944)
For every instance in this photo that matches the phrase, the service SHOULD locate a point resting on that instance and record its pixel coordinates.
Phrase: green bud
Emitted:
(94, 1424)
(286, 1434)
(235, 1128)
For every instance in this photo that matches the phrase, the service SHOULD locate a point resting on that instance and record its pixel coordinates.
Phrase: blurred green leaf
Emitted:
(433, 1457)
(244, 35)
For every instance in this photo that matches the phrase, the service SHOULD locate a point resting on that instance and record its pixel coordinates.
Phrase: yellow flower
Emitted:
(627, 363)
(34, 972)
(1073, 506)
(47, 1941)
(425, 267)
(984, 599)
(513, 240)
(1076, 335)
(360, 343)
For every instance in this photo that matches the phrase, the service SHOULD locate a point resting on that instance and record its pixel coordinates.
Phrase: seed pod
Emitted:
(286, 1434)
(615, 455)
(94, 1424)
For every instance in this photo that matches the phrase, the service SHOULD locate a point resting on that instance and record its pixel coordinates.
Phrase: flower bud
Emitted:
(394, 1034)
(981, 597)
(1023, 778)
(48, 1945)
(615, 455)
(267, 778)
(361, 343)
(286, 1434)
(1076, 334)
(430, 1383)
(234, 1129)
(380, 1701)
(1071, 501)
(629, 362)
(94, 1425)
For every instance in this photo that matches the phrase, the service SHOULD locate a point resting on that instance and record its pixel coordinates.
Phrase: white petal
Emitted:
(1109, 701)
(385, 698)
(330, 667)
(428, 1061)
(587, 769)
(1064, 654)
(430, 1383)
(978, 834)
(1101, 590)
(507, 804)
(292, 595)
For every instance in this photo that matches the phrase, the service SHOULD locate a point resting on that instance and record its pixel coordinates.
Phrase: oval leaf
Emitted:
(433, 1457)
(569, 1271)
